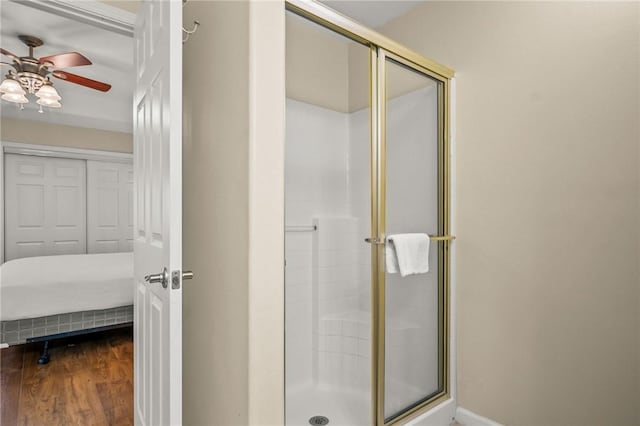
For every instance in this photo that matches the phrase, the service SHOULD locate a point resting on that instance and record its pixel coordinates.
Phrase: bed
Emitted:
(54, 296)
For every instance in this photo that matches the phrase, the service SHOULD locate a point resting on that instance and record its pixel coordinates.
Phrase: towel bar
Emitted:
(432, 238)
(301, 228)
(442, 238)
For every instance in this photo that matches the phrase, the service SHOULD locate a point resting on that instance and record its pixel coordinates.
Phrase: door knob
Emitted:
(162, 278)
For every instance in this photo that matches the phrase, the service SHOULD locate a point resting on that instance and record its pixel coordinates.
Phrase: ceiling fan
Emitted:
(33, 75)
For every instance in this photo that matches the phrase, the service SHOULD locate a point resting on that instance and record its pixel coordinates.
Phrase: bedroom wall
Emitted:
(41, 133)
(547, 189)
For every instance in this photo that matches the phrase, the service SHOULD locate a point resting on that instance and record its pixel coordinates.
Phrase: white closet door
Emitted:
(109, 207)
(45, 206)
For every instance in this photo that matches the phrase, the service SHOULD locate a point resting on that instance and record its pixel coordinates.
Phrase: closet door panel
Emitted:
(27, 249)
(45, 206)
(66, 202)
(25, 207)
(109, 207)
(30, 203)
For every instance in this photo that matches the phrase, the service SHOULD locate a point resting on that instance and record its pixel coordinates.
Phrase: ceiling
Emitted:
(374, 13)
(111, 54)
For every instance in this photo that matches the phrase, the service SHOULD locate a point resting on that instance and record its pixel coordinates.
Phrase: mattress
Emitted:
(49, 285)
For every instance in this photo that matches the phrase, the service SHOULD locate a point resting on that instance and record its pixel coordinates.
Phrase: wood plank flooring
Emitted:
(89, 381)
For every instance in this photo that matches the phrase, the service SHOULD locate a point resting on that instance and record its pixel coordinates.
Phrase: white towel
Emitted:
(411, 254)
(391, 258)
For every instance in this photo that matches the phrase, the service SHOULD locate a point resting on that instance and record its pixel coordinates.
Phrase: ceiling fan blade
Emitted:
(83, 81)
(66, 60)
(9, 54)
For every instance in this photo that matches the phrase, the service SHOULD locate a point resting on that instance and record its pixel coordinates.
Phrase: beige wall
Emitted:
(266, 213)
(317, 64)
(41, 133)
(233, 316)
(359, 78)
(215, 234)
(547, 188)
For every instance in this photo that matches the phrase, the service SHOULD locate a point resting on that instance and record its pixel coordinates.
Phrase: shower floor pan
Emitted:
(341, 407)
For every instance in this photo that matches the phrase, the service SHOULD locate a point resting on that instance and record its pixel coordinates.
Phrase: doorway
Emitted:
(67, 189)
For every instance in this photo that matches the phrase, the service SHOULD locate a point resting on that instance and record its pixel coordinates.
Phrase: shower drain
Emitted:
(318, 420)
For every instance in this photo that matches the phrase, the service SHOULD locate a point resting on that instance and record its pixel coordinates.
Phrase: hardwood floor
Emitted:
(89, 381)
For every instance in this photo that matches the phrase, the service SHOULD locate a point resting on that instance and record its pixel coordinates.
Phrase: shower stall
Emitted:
(367, 156)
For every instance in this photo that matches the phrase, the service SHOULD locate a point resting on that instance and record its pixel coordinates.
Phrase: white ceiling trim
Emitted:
(90, 12)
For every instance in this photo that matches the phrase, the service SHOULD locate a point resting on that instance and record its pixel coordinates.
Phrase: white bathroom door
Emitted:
(157, 104)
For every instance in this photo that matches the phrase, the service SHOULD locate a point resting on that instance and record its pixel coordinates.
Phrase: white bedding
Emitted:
(48, 285)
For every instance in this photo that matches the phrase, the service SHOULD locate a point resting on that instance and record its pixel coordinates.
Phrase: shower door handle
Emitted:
(373, 240)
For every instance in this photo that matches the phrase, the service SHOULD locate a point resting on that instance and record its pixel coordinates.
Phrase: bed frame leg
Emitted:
(44, 358)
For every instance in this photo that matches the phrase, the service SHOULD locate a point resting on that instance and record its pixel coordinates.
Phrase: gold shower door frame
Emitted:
(383, 49)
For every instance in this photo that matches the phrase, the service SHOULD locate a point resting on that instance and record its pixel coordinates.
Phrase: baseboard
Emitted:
(440, 415)
(469, 418)
(3, 345)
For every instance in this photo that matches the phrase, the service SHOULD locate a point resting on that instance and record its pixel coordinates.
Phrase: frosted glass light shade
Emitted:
(51, 103)
(11, 86)
(17, 98)
(48, 92)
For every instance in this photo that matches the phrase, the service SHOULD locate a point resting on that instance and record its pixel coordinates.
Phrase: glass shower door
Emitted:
(327, 212)
(366, 160)
(413, 202)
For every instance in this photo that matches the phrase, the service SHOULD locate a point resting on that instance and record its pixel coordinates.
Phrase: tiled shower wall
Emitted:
(340, 331)
(316, 186)
(327, 334)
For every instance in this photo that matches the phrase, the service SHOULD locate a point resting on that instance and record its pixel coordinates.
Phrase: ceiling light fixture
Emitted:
(16, 98)
(48, 96)
(32, 76)
(48, 92)
(11, 86)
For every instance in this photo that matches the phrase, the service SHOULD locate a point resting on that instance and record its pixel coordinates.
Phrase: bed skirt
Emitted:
(17, 332)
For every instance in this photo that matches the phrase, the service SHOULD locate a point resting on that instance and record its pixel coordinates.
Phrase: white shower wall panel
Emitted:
(316, 185)
(340, 332)
(316, 162)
